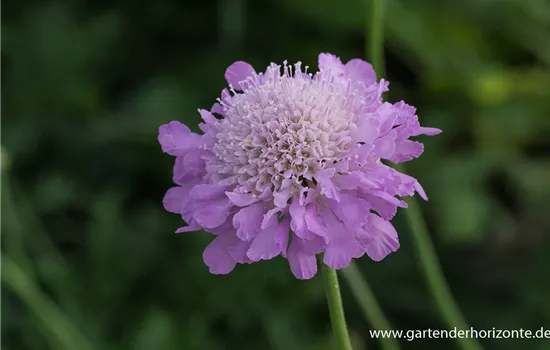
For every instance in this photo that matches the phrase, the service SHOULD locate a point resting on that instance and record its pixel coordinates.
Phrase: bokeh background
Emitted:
(90, 260)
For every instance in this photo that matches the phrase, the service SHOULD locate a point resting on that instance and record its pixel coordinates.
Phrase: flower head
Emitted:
(289, 163)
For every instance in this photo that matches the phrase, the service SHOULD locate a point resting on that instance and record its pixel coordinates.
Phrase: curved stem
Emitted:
(433, 274)
(375, 36)
(367, 301)
(13, 242)
(63, 334)
(424, 246)
(335, 307)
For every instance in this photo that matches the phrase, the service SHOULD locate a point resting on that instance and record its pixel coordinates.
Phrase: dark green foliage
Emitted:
(90, 257)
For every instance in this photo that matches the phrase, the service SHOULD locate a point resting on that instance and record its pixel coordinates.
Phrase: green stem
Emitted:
(433, 274)
(232, 19)
(424, 246)
(335, 307)
(367, 301)
(13, 242)
(53, 321)
(375, 36)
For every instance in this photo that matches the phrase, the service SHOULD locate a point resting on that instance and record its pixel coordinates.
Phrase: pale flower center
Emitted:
(287, 127)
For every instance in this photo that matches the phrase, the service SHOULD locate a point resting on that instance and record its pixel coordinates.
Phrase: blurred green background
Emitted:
(90, 260)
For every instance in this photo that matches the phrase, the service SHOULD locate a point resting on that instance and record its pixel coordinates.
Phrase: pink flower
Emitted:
(289, 164)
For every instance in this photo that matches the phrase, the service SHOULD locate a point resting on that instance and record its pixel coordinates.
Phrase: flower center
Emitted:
(284, 127)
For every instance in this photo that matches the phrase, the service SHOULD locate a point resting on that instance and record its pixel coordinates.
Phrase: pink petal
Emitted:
(217, 108)
(384, 147)
(303, 266)
(238, 72)
(428, 131)
(357, 69)
(342, 247)
(238, 251)
(298, 223)
(328, 188)
(368, 129)
(193, 227)
(420, 191)
(406, 150)
(205, 192)
(387, 114)
(248, 221)
(384, 236)
(351, 210)
(313, 246)
(315, 222)
(210, 122)
(381, 206)
(241, 199)
(176, 139)
(189, 167)
(264, 246)
(174, 199)
(282, 233)
(269, 216)
(216, 256)
(213, 213)
(329, 62)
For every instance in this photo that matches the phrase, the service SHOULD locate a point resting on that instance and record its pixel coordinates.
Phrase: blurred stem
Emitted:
(14, 242)
(53, 321)
(367, 301)
(232, 14)
(375, 36)
(433, 274)
(19, 221)
(335, 307)
(424, 246)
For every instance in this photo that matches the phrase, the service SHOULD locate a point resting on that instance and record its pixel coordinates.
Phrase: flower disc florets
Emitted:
(289, 164)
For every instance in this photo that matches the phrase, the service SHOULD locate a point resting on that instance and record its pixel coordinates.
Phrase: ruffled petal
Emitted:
(384, 147)
(206, 192)
(242, 199)
(303, 266)
(216, 256)
(381, 206)
(248, 221)
(193, 227)
(282, 233)
(351, 210)
(281, 197)
(328, 188)
(384, 237)
(189, 167)
(387, 115)
(298, 223)
(406, 150)
(368, 129)
(357, 69)
(343, 246)
(266, 221)
(315, 223)
(174, 199)
(217, 108)
(427, 131)
(264, 246)
(210, 122)
(329, 62)
(238, 72)
(177, 139)
(212, 213)
(313, 246)
(238, 251)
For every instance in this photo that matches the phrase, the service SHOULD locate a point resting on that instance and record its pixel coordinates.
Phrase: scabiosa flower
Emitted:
(289, 163)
